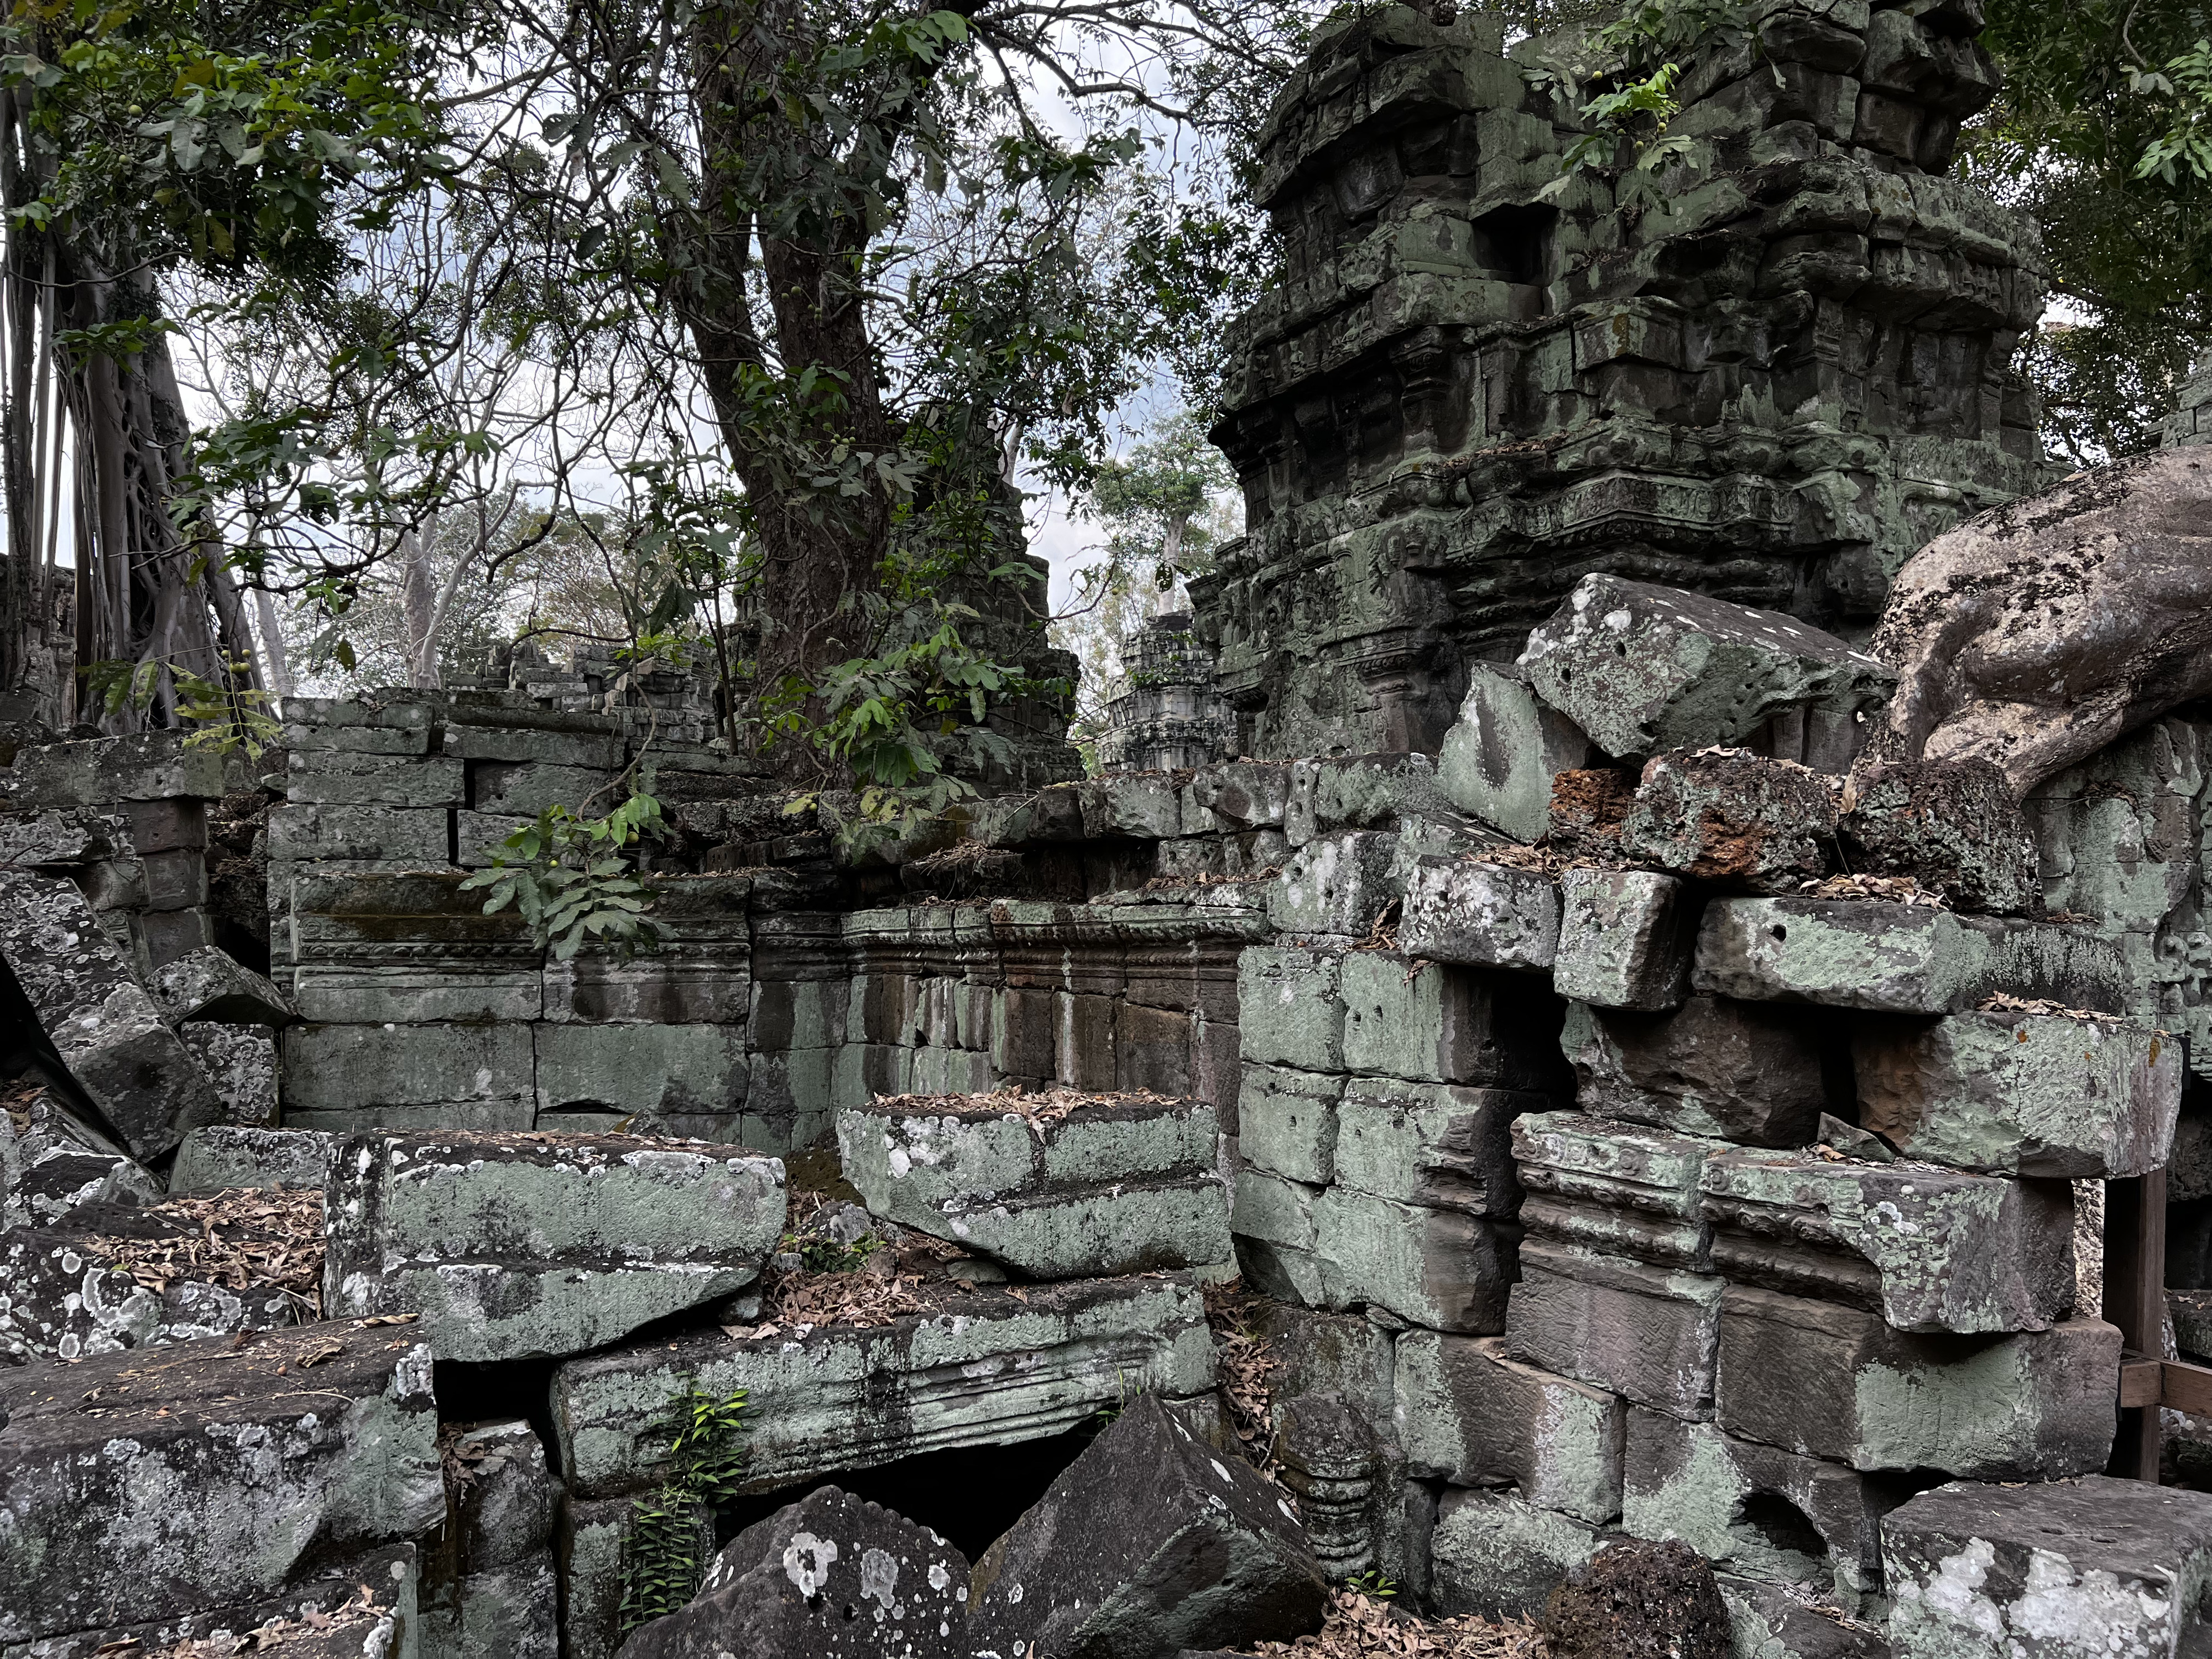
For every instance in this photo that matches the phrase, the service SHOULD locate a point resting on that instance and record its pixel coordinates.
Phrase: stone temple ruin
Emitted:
(1613, 1022)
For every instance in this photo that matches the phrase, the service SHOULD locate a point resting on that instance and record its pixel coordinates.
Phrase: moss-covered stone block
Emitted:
(1290, 1006)
(1644, 1332)
(1287, 1122)
(1614, 1188)
(1502, 754)
(1481, 916)
(1472, 1417)
(1500, 1556)
(1441, 1269)
(1625, 938)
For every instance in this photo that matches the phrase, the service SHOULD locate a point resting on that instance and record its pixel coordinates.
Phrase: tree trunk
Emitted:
(418, 612)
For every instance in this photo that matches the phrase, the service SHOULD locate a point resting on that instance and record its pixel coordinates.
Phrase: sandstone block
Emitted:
(526, 788)
(501, 1612)
(1287, 1122)
(1426, 1023)
(2063, 1571)
(1588, 808)
(515, 1247)
(1625, 938)
(240, 1063)
(1436, 1267)
(1953, 826)
(1141, 804)
(505, 1499)
(205, 1473)
(346, 778)
(1713, 1067)
(1776, 1621)
(591, 1551)
(1471, 1417)
(1111, 1185)
(2025, 1094)
(145, 766)
(1338, 883)
(1241, 795)
(1640, 1331)
(51, 1165)
(226, 1155)
(1149, 1542)
(63, 839)
(1830, 1381)
(599, 751)
(1440, 1144)
(1502, 1556)
(1606, 1186)
(1481, 916)
(980, 1368)
(373, 1073)
(1761, 826)
(1501, 755)
(1360, 792)
(670, 1072)
(211, 985)
(1272, 1210)
(1290, 1006)
(1643, 668)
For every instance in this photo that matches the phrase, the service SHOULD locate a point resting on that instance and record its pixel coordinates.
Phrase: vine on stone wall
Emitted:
(662, 1567)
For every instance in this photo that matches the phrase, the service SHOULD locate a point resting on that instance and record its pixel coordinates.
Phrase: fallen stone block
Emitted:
(116, 1276)
(1754, 825)
(1637, 1599)
(1149, 1542)
(1426, 1024)
(1788, 1621)
(1480, 915)
(1647, 1332)
(980, 1367)
(1759, 1511)
(1501, 755)
(1499, 1556)
(1469, 1416)
(240, 1063)
(1625, 938)
(64, 839)
(1290, 1006)
(1736, 1070)
(830, 1576)
(1337, 883)
(141, 1486)
(1831, 1381)
(1054, 1186)
(1143, 805)
(1928, 1249)
(51, 1165)
(1952, 826)
(513, 1247)
(1899, 958)
(1287, 1122)
(1241, 795)
(226, 1155)
(2072, 1568)
(490, 1589)
(106, 1029)
(1604, 1185)
(1442, 1268)
(2016, 1093)
(1643, 668)
(1441, 1145)
(210, 985)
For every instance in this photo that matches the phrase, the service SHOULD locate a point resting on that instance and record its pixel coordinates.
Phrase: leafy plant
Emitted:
(1374, 1582)
(568, 876)
(228, 715)
(661, 1569)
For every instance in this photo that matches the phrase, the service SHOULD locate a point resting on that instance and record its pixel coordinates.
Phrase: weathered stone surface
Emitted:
(1290, 1006)
(1928, 1249)
(359, 1076)
(1834, 1382)
(1897, 958)
(1714, 1067)
(686, 1074)
(591, 1551)
(1760, 1511)
(501, 1612)
(1625, 938)
(1500, 757)
(1276, 1234)
(1647, 1332)
(513, 1247)
(207, 1473)
(63, 839)
(985, 1368)
(2014, 1093)
(1638, 1600)
(1142, 805)
(505, 1500)
(1329, 1453)
(1588, 808)
(2085, 606)
(1643, 669)
(350, 778)
(1442, 1268)
(1480, 915)
(408, 837)
(104, 1026)
(1427, 1024)
(1754, 825)
(1776, 1621)
(829, 1575)
(1607, 1186)
(1118, 1184)
(1439, 1145)
(1240, 795)
(51, 1165)
(1287, 1122)
(1339, 882)
(226, 1155)
(1148, 1542)
(1360, 792)
(2191, 1313)
(209, 984)
(239, 1064)
(145, 766)
(2064, 1571)
(1953, 826)
(1500, 1556)
(1471, 1417)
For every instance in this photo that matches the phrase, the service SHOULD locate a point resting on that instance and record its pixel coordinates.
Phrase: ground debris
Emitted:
(244, 1239)
(265, 1638)
(2004, 1003)
(1893, 889)
(1046, 1106)
(1246, 1368)
(1363, 1626)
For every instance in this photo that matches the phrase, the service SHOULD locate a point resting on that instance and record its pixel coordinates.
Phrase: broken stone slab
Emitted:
(104, 1028)
(1442, 1268)
(1052, 1186)
(514, 1247)
(1469, 1416)
(2065, 1570)
(1287, 1122)
(830, 1574)
(1500, 1556)
(140, 1486)
(1788, 1621)
(1754, 825)
(1642, 668)
(1625, 939)
(1442, 1146)
(1149, 1542)
(1735, 1070)
(63, 839)
(1422, 1022)
(1928, 1249)
(51, 1165)
(1290, 1006)
(1760, 1511)
(1142, 805)
(1952, 826)
(1337, 883)
(1241, 795)
(1899, 958)
(144, 766)
(209, 984)
(240, 1063)
(226, 1155)
(1607, 1186)
(2009, 1092)
(1588, 809)
(1831, 1381)
(1360, 792)
(1481, 916)
(1500, 757)
(981, 1367)
(1644, 1332)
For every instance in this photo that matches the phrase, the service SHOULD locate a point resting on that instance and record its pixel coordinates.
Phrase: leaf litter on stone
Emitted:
(1363, 1626)
(244, 1239)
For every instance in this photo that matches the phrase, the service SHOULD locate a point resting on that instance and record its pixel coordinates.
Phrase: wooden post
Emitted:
(2135, 1300)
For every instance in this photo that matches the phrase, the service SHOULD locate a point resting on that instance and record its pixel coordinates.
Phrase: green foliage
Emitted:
(568, 876)
(661, 1569)
(227, 714)
(1375, 1582)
